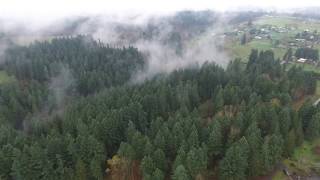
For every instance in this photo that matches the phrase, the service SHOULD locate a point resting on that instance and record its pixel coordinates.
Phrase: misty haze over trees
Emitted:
(153, 100)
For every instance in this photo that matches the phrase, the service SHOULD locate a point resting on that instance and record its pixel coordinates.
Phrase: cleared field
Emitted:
(305, 160)
(4, 78)
(243, 51)
(288, 21)
(275, 21)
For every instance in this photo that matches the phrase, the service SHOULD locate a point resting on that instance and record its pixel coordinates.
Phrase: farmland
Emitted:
(236, 50)
(274, 33)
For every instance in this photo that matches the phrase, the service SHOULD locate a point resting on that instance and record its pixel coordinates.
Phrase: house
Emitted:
(292, 44)
(302, 60)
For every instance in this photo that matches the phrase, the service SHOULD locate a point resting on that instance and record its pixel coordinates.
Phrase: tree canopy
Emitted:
(156, 128)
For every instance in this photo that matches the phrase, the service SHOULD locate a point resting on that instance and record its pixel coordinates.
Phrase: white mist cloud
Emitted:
(48, 9)
(33, 15)
(163, 59)
(160, 56)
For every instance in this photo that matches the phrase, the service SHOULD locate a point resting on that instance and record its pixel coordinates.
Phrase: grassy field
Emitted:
(304, 162)
(299, 24)
(243, 51)
(283, 36)
(306, 159)
(288, 21)
(4, 78)
(275, 21)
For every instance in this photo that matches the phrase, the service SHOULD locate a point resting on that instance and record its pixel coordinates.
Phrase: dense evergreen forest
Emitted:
(195, 123)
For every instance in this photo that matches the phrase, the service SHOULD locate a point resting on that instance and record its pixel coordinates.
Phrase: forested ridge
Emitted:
(195, 123)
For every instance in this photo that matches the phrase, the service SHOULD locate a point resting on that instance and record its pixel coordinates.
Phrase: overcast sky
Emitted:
(58, 8)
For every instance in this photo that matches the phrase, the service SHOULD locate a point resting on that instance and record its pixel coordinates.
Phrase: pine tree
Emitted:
(253, 136)
(127, 151)
(159, 141)
(193, 139)
(180, 158)
(197, 161)
(290, 143)
(284, 122)
(81, 170)
(178, 134)
(299, 134)
(313, 129)
(180, 173)
(138, 144)
(215, 141)
(252, 58)
(272, 150)
(234, 165)
(288, 55)
(160, 159)
(147, 166)
(95, 169)
(244, 39)
(218, 99)
(149, 149)
(158, 175)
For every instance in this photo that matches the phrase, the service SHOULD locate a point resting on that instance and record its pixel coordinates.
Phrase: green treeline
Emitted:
(307, 53)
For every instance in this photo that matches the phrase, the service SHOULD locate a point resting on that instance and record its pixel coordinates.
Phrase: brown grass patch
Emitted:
(316, 150)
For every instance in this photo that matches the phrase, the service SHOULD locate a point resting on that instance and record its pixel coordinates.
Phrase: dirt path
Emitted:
(316, 102)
